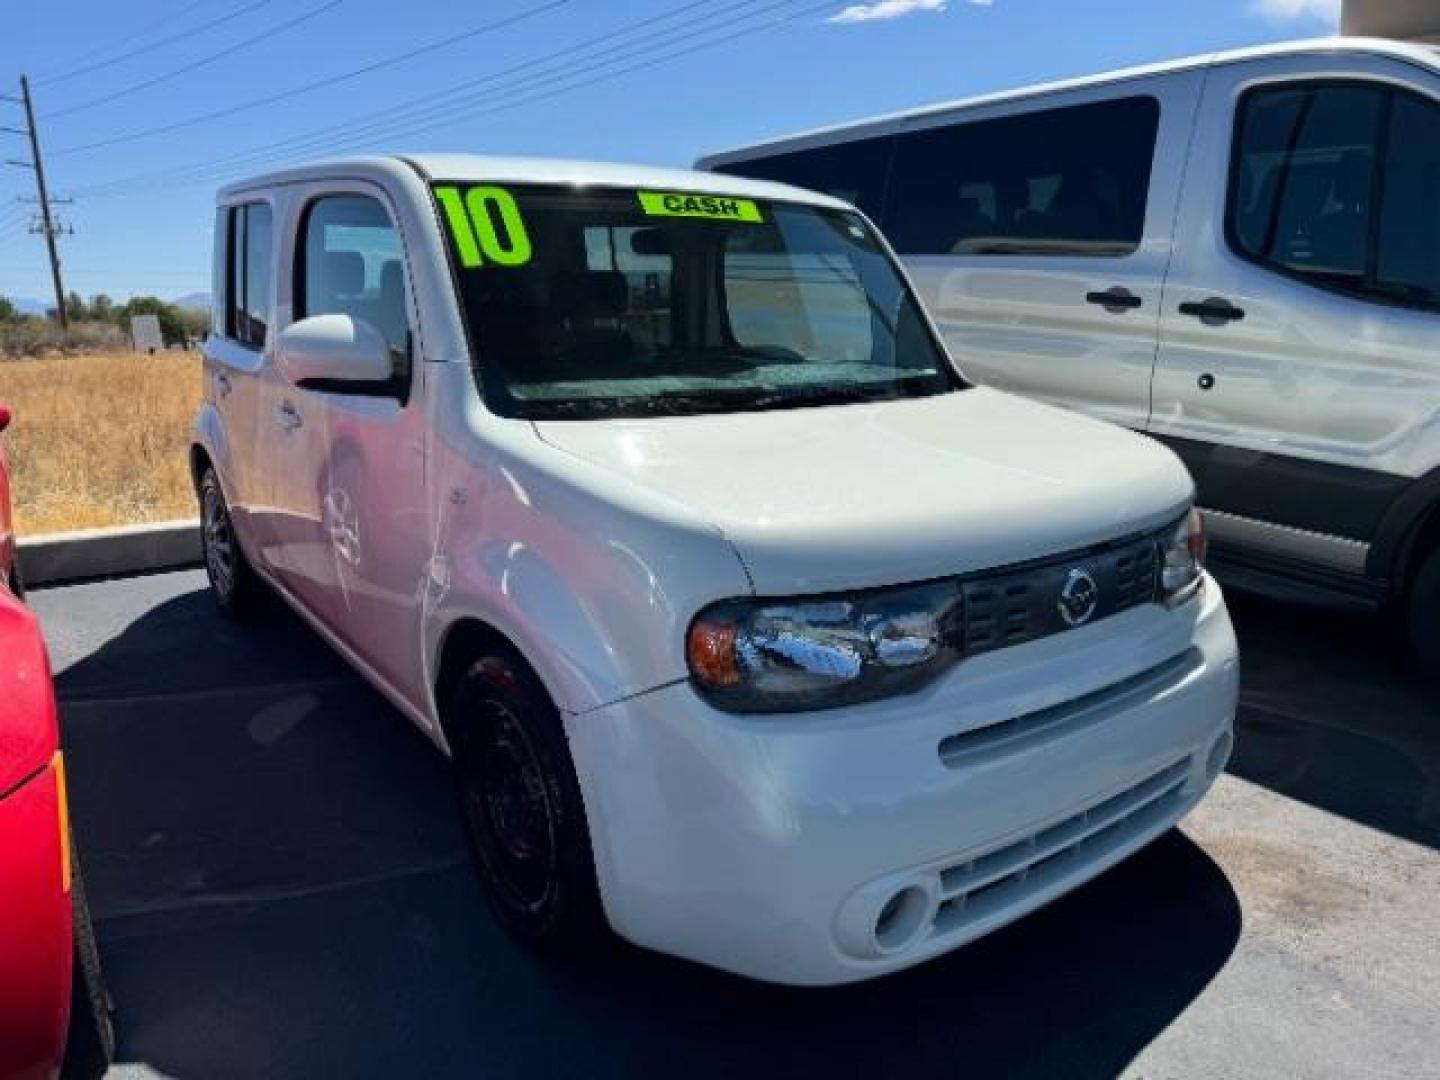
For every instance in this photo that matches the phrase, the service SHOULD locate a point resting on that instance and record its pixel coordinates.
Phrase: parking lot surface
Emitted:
(282, 890)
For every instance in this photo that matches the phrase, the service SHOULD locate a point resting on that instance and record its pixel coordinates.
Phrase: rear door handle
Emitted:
(1117, 299)
(287, 417)
(222, 383)
(1213, 311)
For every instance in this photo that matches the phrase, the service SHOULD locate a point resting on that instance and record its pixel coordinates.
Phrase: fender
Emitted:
(1399, 528)
(593, 580)
(208, 434)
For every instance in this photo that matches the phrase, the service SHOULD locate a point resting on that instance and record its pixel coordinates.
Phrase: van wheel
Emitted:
(521, 806)
(1423, 616)
(90, 1040)
(232, 582)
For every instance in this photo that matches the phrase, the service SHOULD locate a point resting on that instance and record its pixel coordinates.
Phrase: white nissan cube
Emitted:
(754, 631)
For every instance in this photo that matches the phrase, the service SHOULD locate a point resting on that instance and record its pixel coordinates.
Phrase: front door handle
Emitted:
(287, 417)
(222, 383)
(1213, 311)
(1117, 299)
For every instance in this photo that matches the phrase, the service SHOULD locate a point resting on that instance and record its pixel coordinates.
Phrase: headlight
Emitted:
(773, 656)
(1182, 560)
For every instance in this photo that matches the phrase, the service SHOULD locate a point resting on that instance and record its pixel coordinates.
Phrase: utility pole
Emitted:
(47, 222)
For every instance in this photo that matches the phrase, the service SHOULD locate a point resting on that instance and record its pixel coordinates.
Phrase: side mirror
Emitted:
(5, 416)
(330, 351)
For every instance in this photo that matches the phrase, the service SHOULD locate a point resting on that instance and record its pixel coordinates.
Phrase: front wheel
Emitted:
(90, 1039)
(1423, 616)
(232, 582)
(521, 806)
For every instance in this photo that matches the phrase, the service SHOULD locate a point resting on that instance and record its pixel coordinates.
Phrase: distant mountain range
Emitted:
(195, 301)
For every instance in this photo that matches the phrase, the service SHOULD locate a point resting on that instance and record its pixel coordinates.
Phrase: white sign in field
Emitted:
(145, 333)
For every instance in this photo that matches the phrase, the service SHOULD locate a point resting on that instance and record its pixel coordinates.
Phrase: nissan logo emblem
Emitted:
(1079, 597)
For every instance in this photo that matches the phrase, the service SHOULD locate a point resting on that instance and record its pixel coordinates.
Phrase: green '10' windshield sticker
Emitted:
(476, 222)
(683, 204)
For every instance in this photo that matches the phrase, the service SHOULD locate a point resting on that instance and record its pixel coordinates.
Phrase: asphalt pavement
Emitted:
(282, 890)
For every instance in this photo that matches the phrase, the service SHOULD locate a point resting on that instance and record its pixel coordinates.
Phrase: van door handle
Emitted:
(222, 383)
(1213, 311)
(1117, 299)
(287, 417)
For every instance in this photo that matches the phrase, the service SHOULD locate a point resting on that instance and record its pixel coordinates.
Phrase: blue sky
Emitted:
(532, 76)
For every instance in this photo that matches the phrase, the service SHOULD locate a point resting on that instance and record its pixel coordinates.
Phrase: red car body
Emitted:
(36, 931)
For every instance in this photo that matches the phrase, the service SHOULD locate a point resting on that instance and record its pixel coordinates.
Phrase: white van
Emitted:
(1236, 253)
(653, 497)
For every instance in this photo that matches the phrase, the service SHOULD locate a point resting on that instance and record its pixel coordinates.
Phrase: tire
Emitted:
(1422, 616)
(232, 582)
(90, 1040)
(521, 807)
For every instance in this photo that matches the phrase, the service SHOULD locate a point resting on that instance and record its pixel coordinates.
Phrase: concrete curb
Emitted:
(52, 558)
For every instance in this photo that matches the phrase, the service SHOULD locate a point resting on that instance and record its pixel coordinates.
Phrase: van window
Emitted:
(249, 247)
(350, 263)
(1408, 262)
(1339, 184)
(854, 171)
(1071, 181)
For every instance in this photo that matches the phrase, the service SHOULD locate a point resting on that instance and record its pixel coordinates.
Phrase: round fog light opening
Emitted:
(900, 919)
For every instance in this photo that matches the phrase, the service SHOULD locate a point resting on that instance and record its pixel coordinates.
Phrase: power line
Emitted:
(319, 84)
(404, 115)
(140, 33)
(330, 132)
(181, 35)
(229, 50)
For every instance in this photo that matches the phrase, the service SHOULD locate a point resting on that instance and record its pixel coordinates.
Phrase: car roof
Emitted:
(481, 168)
(1424, 55)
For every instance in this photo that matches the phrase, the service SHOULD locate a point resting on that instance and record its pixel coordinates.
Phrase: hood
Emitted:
(844, 497)
(28, 731)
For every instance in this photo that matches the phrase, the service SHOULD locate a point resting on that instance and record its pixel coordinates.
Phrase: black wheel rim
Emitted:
(219, 541)
(508, 807)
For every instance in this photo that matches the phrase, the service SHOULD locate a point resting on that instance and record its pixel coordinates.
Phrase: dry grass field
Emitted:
(101, 439)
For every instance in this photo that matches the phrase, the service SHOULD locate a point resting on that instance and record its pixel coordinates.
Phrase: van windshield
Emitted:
(586, 302)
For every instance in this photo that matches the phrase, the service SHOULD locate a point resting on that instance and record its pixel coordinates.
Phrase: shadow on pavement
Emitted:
(282, 890)
(1331, 715)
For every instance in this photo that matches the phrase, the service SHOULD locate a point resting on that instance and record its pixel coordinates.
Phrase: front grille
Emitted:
(973, 890)
(1010, 607)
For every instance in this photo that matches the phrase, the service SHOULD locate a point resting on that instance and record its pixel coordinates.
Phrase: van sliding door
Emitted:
(1038, 235)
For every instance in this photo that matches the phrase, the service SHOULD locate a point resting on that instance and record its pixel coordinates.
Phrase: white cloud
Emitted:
(886, 9)
(1290, 10)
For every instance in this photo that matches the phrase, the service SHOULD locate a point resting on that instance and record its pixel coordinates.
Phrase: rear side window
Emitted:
(853, 171)
(1071, 181)
(248, 248)
(1339, 185)
(350, 263)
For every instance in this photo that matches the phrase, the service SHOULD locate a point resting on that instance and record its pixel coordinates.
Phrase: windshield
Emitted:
(586, 302)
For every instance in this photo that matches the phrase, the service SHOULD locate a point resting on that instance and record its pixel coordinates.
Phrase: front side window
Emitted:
(1069, 181)
(248, 241)
(614, 302)
(1339, 184)
(350, 263)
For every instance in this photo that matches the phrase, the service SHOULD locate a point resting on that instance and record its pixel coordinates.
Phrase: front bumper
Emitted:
(838, 845)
